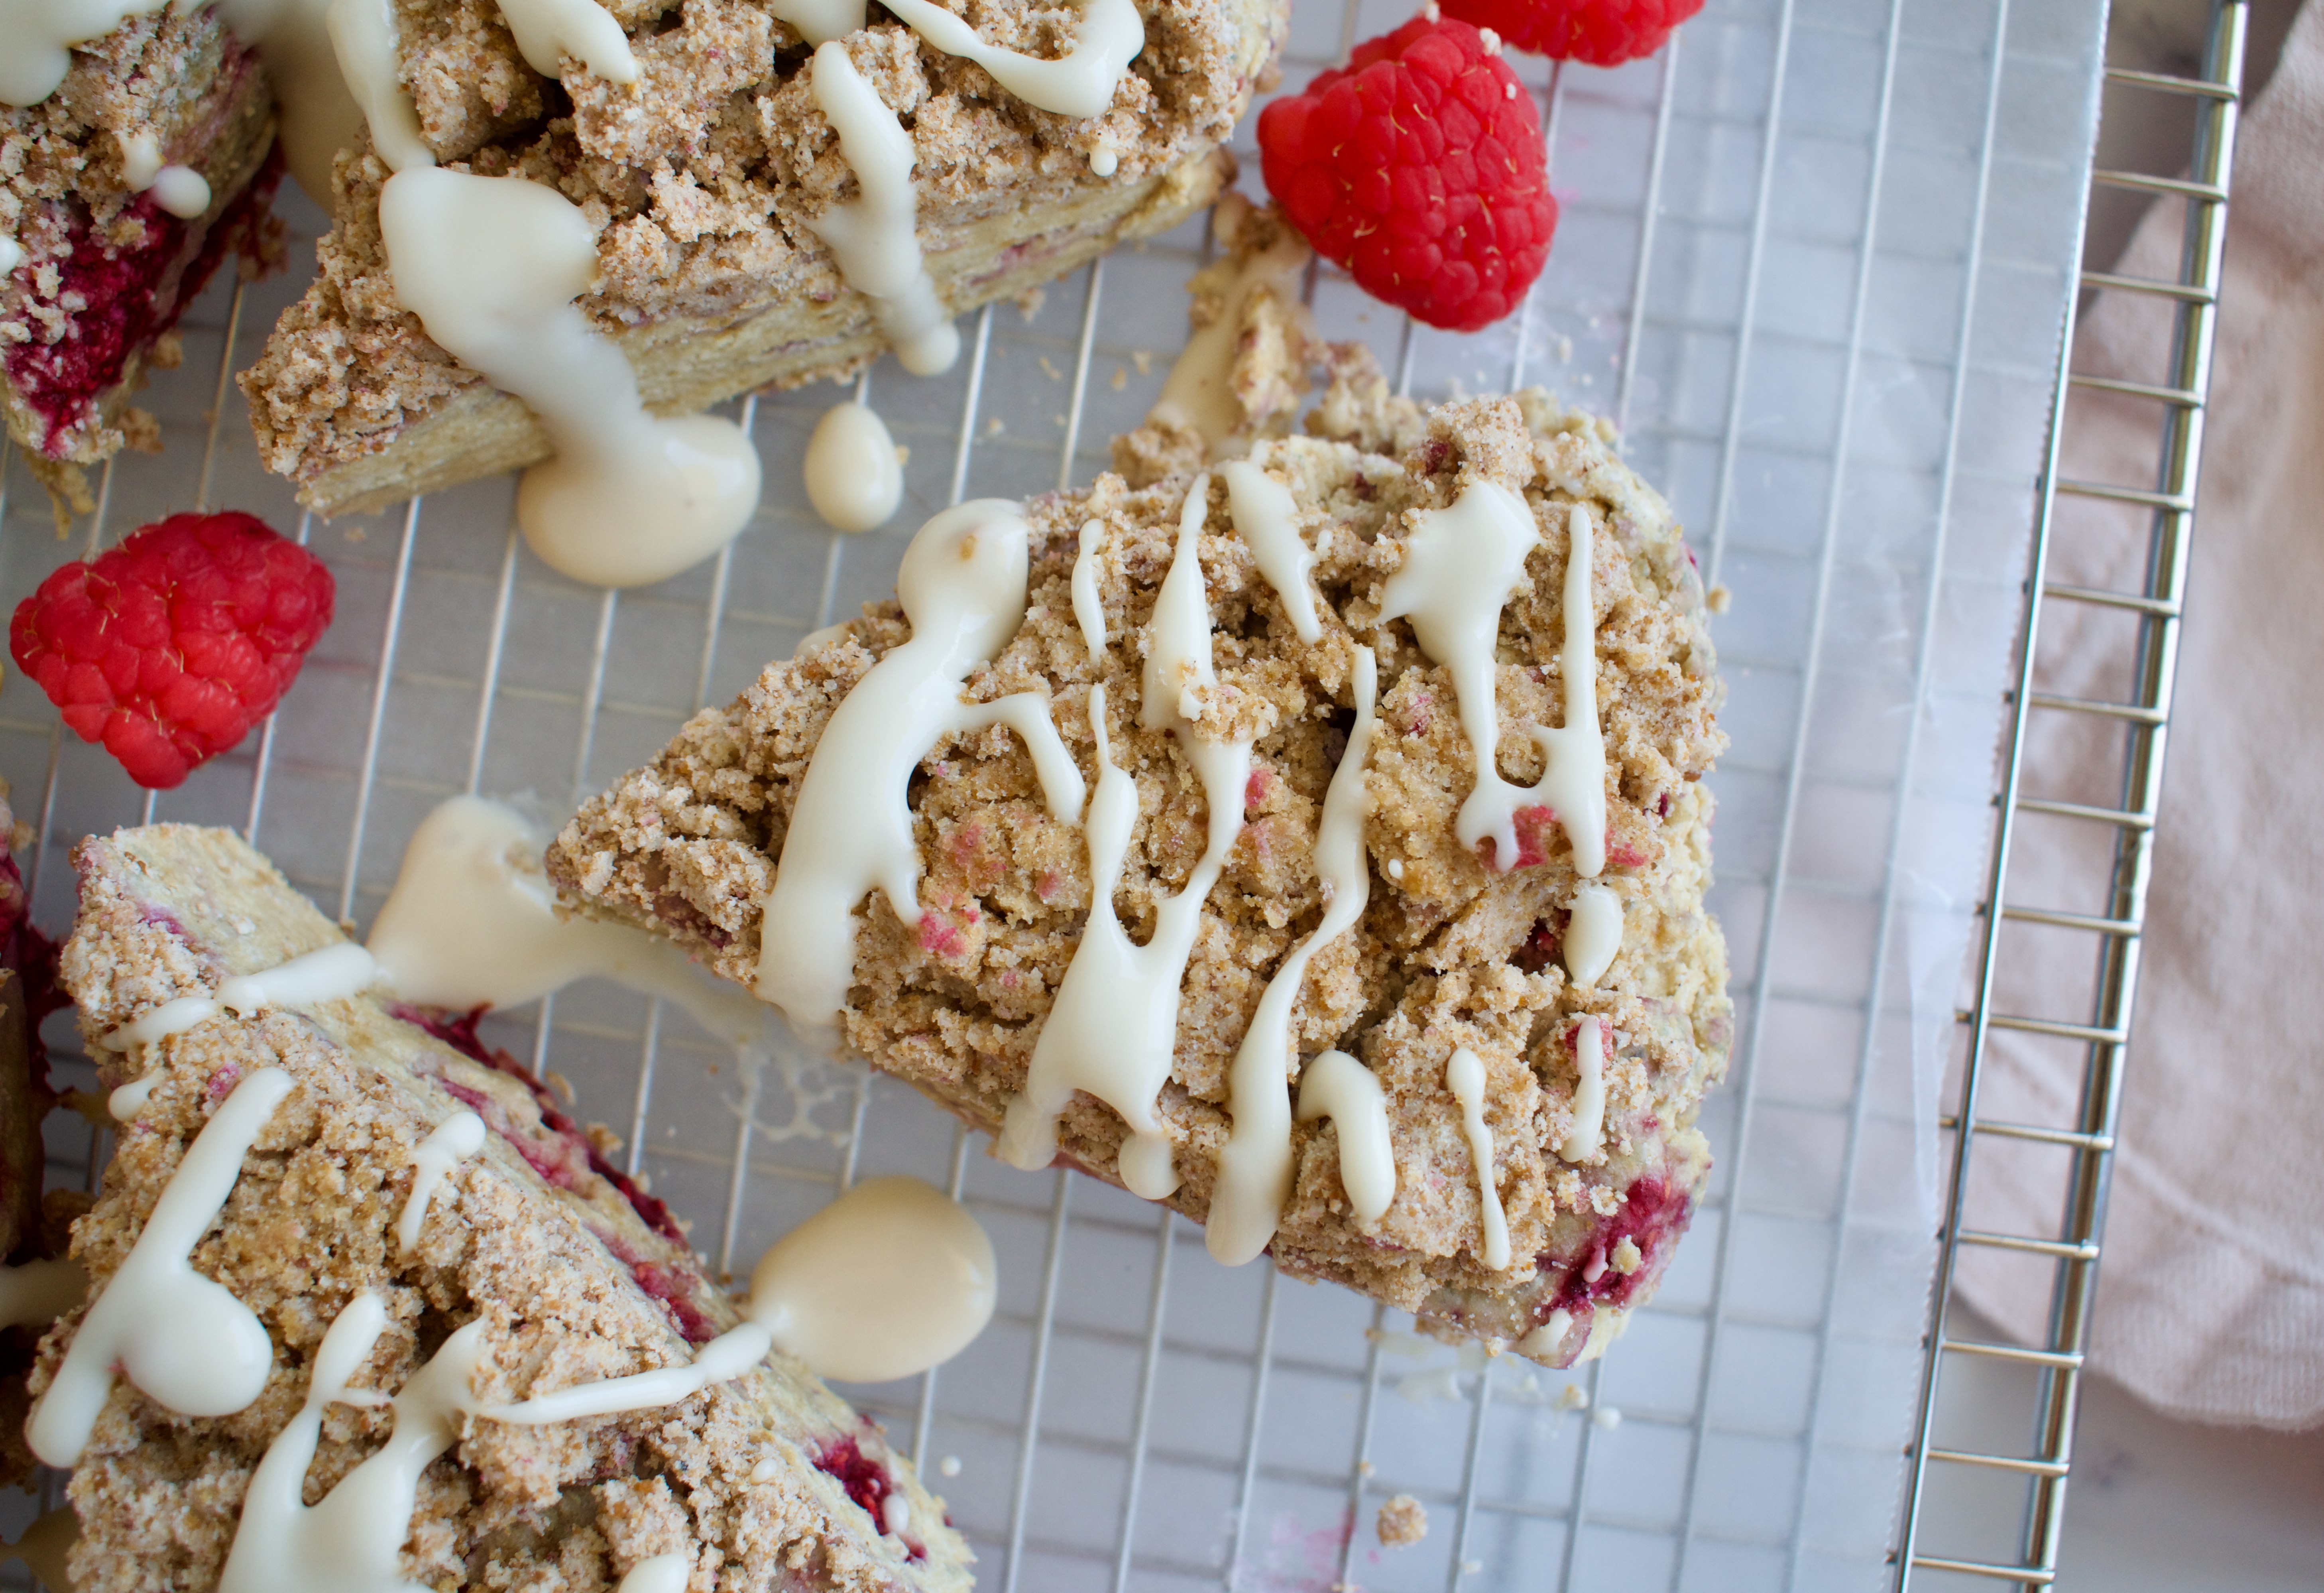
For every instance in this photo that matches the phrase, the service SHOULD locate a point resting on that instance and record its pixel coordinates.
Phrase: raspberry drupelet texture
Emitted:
(170, 647)
(1420, 168)
(1600, 32)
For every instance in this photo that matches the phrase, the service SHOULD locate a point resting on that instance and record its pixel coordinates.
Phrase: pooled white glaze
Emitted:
(1254, 1174)
(1461, 565)
(1464, 1075)
(492, 266)
(130, 1100)
(448, 1144)
(44, 1546)
(821, 20)
(1544, 1339)
(1079, 84)
(1594, 934)
(1267, 518)
(889, 1280)
(330, 974)
(471, 922)
(351, 1542)
(362, 41)
(180, 1336)
(37, 1293)
(547, 31)
(1112, 1029)
(853, 478)
(1200, 390)
(1581, 1142)
(1088, 608)
(872, 238)
(1335, 1085)
(961, 587)
(664, 1573)
(37, 37)
(724, 1357)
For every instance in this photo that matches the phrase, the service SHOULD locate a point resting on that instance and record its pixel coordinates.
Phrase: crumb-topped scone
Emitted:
(706, 182)
(1331, 971)
(300, 1170)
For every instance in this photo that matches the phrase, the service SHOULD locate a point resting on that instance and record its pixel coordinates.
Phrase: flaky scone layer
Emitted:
(1447, 953)
(575, 1278)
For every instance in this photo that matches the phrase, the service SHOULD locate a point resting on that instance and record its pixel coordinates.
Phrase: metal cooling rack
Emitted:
(1817, 259)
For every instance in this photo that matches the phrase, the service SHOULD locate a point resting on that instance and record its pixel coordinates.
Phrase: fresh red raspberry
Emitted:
(1603, 32)
(1420, 168)
(170, 647)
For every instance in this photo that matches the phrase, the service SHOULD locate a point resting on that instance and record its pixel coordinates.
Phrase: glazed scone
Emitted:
(1450, 956)
(574, 1275)
(704, 181)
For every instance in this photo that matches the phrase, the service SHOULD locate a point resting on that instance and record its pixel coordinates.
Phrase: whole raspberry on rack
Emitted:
(1420, 168)
(170, 647)
(1600, 32)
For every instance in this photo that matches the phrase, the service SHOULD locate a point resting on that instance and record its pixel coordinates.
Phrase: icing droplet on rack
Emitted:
(962, 589)
(1112, 1029)
(1079, 84)
(872, 238)
(664, 1573)
(1464, 1075)
(821, 20)
(450, 1143)
(1335, 1085)
(38, 1292)
(1594, 934)
(364, 44)
(180, 1336)
(889, 1280)
(546, 31)
(1581, 1140)
(353, 1540)
(1088, 608)
(36, 41)
(724, 1358)
(1461, 565)
(1199, 392)
(491, 265)
(853, 478)
(1254, 1175)
(1268, 520)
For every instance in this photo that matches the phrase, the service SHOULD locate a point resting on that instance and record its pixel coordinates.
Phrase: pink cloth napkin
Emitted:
(2211, 1288)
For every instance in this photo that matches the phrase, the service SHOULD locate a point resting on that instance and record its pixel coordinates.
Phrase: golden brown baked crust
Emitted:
(1447, 954)
(576, 1280)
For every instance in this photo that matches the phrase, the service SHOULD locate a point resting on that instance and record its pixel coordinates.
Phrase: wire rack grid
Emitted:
(1816, 258)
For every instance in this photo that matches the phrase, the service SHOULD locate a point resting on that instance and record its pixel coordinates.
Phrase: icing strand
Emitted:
(36, 41)
(181, 190)
(1464, 1075)
(1267, 518)
(547, 31)
(1461, 565)
(1335, 1085)
(182, 1337)
(1081, 84)
(872, 238)
(353, 1540)
(1199, 393)
(171, 1017)
(1112, 1029)
(1581, 1142)
(364, 44)
(891, 1279)
(1254, 1175)
(853, 477)
(1088, 608)
(130, 1100)
(330, 974)
(727, 1356)
(1592, 935)
(450, 1143)
(821, 20)
(962, 587)
(664, 1573)
(38, 1292)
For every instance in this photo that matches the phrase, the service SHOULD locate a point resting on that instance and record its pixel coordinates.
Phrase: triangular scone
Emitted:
(1447, 956)
(764, 1479)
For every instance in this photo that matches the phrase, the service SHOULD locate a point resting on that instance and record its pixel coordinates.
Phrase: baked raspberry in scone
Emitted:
(1247, 795)
(533, 1266)
(705, 181)
(121, 192)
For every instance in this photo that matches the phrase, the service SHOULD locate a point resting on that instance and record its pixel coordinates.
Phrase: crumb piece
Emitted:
(1143, 359)
(1403, 1521)
(1030, 302)
(949, 1465)
(1120, 378)
(1718, 598)
(1051, 371)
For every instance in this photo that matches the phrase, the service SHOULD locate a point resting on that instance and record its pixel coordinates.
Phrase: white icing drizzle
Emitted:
(1266, 519)
(140, 158)
(44, 1546)
(896, 1514)
(821, 20)
(1464, 1075)
(1088, 608)
(11, 255)
(37, 36)
(182, 1337)
(1080, 84)
(362, 41)
(891, 1279)
(450, 1143)
(353, 1540)
(1461, 567)
(1545, 1339)
(492, 266)
(1254, 1174)
(171, 1017)
(1592, 935)
(1112, 1029)
(1335, 1085)
(38, 1292)
(471, 922)
(1581, 1142)
(724, 1358)
(181, 191)
(962, 589)
(130, 1100)
(872, 238)
(329, 974)
(853, 478)
(547, 31)
(1199, 392)
(664, 1573)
